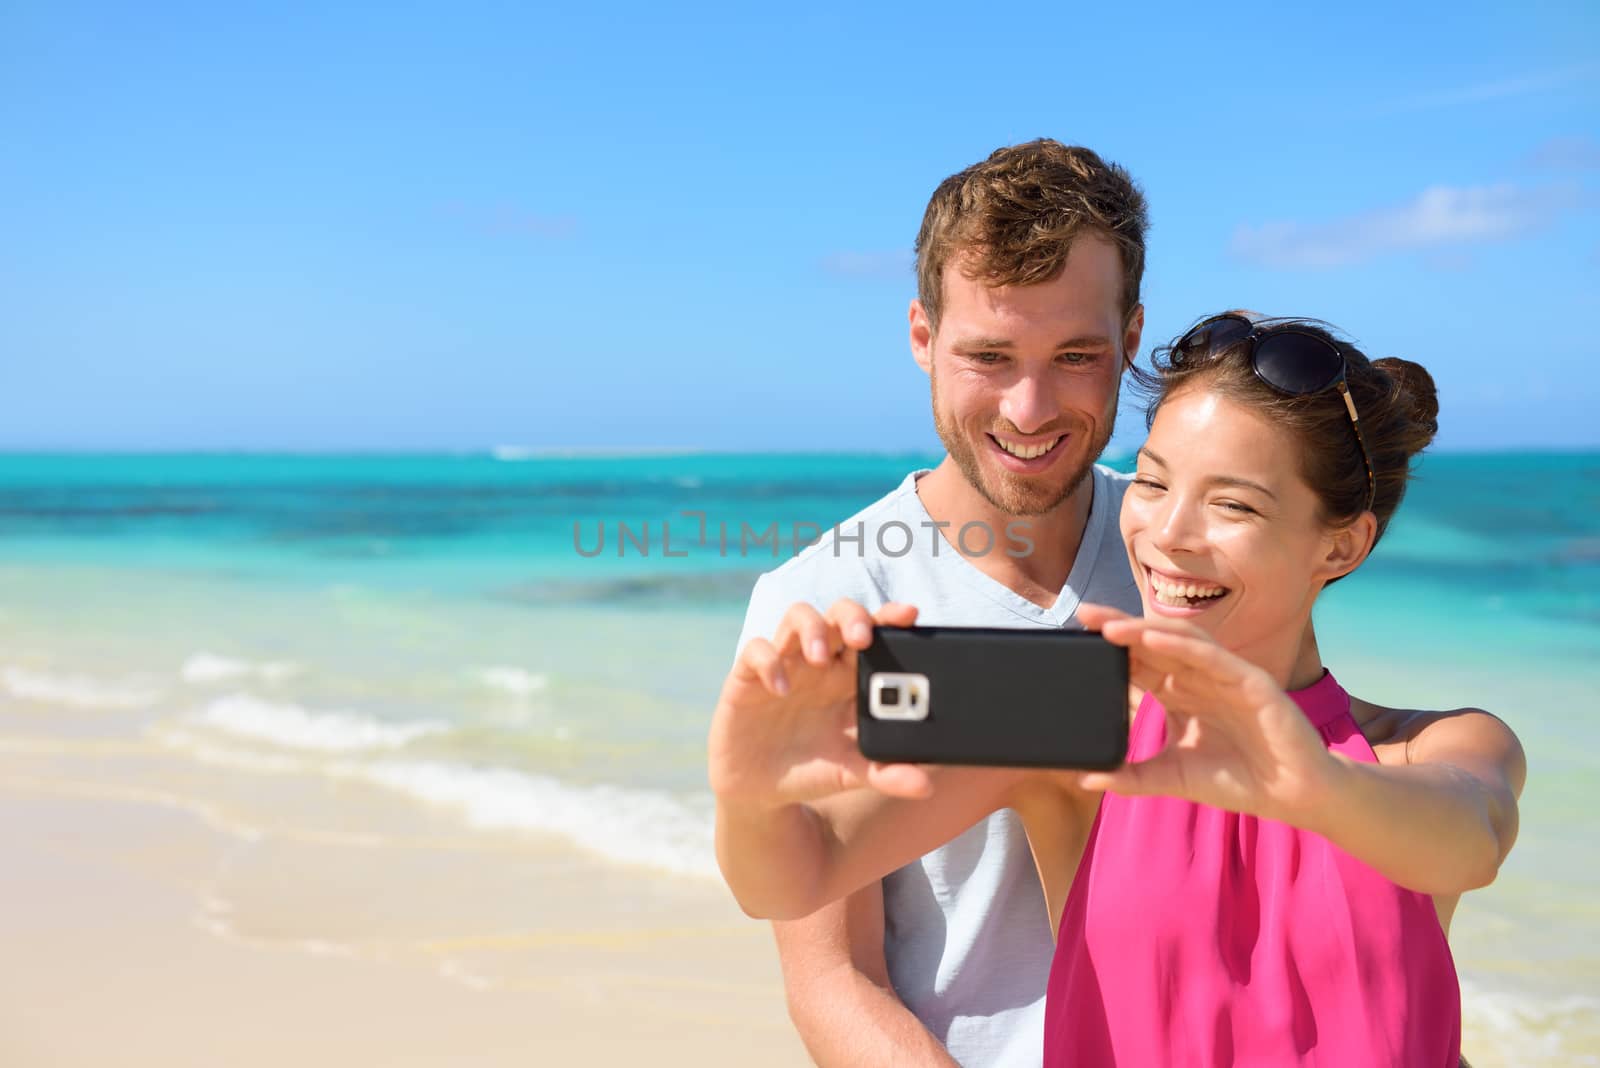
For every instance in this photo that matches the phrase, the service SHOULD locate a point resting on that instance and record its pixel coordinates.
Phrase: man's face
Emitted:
(1025, 378)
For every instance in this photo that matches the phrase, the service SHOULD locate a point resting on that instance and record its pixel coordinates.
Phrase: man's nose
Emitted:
(1029, 405)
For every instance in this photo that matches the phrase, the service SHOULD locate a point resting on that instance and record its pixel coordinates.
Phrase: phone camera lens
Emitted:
(889, 695)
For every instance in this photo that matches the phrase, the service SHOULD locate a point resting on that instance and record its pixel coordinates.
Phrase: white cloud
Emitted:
(898, 264)
(1440, 216)
(1499, 89)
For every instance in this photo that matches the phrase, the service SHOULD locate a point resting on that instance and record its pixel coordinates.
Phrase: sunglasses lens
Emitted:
(1297, 363)
(1211, 336)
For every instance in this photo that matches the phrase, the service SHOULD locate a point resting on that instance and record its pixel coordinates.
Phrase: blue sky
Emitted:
(458, 226)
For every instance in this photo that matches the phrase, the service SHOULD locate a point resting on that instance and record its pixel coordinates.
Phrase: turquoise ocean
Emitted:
(532, 641)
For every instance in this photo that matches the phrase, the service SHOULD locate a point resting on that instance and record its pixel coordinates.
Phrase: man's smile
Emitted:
(1025, 455)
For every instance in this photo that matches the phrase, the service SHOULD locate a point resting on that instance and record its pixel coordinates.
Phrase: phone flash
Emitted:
(901, 695)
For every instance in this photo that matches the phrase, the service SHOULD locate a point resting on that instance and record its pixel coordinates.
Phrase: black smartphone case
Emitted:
(1008, 697)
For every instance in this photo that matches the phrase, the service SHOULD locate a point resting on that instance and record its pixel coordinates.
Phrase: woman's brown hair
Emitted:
(1396, 400)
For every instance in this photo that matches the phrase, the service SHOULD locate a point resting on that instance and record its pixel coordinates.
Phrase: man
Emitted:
(1027, 313)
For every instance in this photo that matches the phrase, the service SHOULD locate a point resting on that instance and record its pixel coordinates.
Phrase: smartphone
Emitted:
(996, 696)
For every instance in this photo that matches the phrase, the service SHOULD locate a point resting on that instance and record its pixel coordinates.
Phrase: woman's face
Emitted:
(1221, 529)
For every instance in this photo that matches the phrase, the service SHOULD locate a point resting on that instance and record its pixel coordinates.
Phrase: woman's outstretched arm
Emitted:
(1444, 821)
(1440, 824)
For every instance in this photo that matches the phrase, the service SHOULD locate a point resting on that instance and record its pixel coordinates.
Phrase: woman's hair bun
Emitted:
(1416, 396)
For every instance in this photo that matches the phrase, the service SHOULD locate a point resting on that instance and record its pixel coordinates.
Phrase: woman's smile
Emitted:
(1175, 594)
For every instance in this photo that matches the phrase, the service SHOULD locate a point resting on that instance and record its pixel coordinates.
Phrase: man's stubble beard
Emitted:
(1023, 501)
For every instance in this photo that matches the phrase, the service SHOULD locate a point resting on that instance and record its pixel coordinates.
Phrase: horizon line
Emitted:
(520, 454)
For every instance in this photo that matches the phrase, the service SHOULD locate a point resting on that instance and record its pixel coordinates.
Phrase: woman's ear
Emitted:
(1348, 546)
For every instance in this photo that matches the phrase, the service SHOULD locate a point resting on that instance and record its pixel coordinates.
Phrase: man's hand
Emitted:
(784, 728)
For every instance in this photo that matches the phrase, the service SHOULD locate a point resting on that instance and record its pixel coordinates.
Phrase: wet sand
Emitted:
(152, 922)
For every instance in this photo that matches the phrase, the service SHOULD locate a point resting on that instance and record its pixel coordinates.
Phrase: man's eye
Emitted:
(987, 357)
(1077, 357)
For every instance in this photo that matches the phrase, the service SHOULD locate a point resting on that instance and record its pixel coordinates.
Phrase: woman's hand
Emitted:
(1235, 740)
(1440, 823)
(784, 730)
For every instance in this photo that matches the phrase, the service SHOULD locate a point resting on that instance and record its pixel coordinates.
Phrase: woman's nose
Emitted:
(1176, 527)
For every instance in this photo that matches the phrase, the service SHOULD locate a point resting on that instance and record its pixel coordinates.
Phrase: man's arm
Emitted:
(840, 998)
(794, 829)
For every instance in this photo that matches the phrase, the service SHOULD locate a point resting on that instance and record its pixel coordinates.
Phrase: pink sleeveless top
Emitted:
(1194, 938)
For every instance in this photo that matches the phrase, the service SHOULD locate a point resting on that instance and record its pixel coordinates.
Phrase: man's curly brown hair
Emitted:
(1011, 219)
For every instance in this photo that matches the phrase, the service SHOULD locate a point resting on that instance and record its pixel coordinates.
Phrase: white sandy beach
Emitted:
(145, 927)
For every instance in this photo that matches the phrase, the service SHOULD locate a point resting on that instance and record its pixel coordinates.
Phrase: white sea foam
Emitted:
(623, 824)
(203, 668)
(513, 681)
(208, 752)
(291, 726)
(1505, 1027)
(76, 691)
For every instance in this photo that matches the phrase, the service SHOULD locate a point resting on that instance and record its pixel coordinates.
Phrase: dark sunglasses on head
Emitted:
(1292, 361)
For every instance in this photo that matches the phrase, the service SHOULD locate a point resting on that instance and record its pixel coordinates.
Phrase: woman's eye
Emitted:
(1237, 507)
(1148, 483)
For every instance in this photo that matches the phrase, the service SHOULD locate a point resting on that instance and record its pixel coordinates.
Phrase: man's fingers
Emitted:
(855, 625)
(761, 659)
(823, 641)
(806, 631)
(900, 780)
(791, 632)
(896, 614)
(853, 622)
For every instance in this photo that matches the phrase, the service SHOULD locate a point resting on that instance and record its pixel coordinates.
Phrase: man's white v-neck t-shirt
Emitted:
(966, 934)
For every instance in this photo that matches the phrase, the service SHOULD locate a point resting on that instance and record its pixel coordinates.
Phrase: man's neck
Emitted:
(1040, 572)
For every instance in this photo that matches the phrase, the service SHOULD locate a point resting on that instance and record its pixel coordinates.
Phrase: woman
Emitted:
(1269, 879)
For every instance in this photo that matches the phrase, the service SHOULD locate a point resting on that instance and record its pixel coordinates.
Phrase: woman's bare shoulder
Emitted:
(1415, 735)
